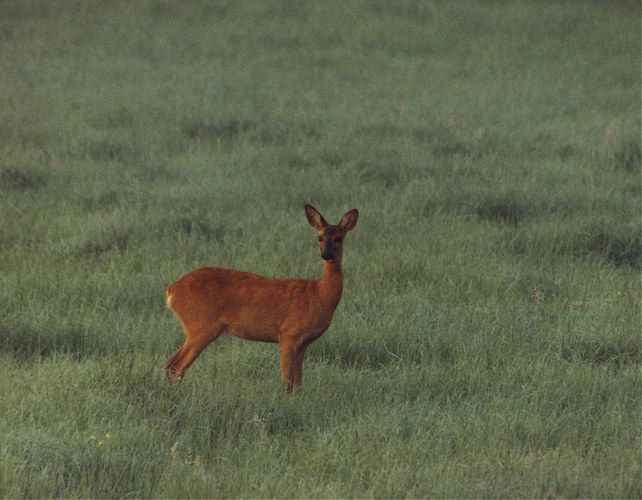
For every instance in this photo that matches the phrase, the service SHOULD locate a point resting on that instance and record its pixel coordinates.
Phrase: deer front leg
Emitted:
(291, 365)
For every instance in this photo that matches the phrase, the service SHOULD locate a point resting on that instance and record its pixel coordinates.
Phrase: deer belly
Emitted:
(253, 333)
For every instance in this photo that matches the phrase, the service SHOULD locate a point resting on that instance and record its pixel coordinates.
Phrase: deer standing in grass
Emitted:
(291, 312)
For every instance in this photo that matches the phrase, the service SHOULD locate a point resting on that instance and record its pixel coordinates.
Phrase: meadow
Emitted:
(488, 339)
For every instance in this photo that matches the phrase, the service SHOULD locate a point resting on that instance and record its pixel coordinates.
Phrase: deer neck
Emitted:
(331, 283)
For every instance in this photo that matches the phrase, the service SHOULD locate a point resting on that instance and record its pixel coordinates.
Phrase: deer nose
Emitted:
(326, 255)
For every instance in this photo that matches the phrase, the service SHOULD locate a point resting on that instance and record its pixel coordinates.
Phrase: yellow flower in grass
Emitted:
(99, 442)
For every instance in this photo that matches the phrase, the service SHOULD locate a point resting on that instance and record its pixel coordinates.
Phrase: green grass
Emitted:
(488, 340)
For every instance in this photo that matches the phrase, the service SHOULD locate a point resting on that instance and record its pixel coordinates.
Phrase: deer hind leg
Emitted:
(178, 364)
(170, 367)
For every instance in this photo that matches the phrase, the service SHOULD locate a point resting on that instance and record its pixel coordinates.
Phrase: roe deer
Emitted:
(293, 312)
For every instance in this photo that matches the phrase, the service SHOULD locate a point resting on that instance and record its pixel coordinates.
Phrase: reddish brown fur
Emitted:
(292, 312)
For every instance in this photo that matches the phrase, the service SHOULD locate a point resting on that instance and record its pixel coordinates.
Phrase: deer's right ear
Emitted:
(315, 219)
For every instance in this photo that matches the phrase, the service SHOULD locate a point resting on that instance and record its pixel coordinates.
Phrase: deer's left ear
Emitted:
(349, 220)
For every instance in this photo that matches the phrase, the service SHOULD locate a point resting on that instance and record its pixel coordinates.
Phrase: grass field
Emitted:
(488, 339)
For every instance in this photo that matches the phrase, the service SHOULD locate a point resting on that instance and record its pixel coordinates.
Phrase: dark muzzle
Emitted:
(327, 256)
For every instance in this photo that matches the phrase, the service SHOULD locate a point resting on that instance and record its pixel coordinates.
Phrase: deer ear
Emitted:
(315, 219)
(349, 220)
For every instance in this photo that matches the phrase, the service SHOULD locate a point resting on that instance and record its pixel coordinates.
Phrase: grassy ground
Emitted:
(488, 341)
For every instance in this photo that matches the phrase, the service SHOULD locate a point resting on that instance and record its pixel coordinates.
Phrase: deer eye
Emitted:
(338, 240)
(320, 238)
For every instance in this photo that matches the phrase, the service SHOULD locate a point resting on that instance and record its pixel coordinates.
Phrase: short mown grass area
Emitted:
(488, 340)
